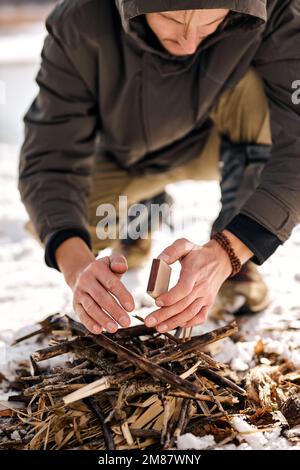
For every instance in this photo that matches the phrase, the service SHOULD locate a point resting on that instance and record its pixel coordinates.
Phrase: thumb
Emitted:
(176, 251)
(118, 263)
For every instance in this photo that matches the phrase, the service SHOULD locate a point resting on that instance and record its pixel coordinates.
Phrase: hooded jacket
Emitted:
(104, 79)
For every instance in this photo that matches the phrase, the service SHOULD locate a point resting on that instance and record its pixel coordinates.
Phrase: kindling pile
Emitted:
(138, 389)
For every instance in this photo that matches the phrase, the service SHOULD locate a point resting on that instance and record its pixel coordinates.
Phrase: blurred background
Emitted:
(26, 285)
(21, 37)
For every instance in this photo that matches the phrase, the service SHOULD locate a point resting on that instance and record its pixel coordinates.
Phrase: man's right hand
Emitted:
(99, 297)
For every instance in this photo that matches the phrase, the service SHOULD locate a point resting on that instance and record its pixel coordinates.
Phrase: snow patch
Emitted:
(189, 441)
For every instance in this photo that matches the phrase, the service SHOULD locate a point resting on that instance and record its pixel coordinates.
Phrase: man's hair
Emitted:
(233, 19)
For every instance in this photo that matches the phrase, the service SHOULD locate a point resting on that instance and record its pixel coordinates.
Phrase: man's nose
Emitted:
(190, 43)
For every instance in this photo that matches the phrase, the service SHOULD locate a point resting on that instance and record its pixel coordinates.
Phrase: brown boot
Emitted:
(245, 293)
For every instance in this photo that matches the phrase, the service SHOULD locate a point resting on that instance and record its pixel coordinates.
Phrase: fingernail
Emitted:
(97, 329)
(162, 328)
(128, 307)
(111, 327)
(150, 321)
(118, 263)
(124, 321)
(159, 303)
(165, 257)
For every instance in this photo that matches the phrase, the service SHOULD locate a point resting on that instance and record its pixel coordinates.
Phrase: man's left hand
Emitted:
(203, 271)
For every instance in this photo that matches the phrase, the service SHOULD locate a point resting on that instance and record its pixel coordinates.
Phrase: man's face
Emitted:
(181, 32)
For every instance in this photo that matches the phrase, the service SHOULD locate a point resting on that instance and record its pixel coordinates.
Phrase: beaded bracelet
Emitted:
(225, 243)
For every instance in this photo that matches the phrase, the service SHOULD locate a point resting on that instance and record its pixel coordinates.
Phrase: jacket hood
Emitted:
(130, 9)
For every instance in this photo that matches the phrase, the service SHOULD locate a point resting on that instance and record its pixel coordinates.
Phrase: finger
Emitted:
(176, 251)
(183, 317)
(106, 301)
(110, 281)
(118, 263)
(87, 321)
(97, 314)
(164, 313)
(198, 319)
(183, 288)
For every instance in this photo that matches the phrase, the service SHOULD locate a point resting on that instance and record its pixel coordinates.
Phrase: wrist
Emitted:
(224, 264)
(240, 249)
(72, 257)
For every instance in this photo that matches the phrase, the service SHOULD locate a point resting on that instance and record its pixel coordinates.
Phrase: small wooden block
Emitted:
(159, 278)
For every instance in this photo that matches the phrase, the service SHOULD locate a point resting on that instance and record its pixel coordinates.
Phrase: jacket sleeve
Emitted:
(60, 131)
(276, 203)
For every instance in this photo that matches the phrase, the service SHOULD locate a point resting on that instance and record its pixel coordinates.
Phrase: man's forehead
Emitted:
(178, 15)
(184, 15)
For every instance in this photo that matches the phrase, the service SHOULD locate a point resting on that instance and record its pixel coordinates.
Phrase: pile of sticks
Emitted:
(135, 389)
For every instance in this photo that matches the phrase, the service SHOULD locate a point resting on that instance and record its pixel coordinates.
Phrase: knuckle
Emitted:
(108, 304)
(115, 289)
(84, 280)
(192, 266)
(173, 324)
(163, 314)
(168, 251)
(188, 284)
(205, 288)
(188, 314)
(95, 266)
(111, 283)
(87, 303)
(169, 299)
(198, 303)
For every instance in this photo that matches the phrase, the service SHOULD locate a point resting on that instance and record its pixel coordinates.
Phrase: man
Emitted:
(160, 86)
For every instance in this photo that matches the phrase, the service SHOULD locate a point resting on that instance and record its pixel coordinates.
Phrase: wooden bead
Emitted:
(224, 242)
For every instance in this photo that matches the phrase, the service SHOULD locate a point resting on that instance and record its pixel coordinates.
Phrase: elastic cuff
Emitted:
(57, 238)
(257, 238)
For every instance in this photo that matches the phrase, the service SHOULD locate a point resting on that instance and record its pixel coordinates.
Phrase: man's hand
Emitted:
(99, 297)
(203, 271)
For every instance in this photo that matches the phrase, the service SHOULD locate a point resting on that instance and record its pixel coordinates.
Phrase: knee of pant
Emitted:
(245, 111)
(254, 116)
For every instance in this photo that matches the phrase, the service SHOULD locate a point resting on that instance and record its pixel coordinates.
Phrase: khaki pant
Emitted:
(241, 114)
